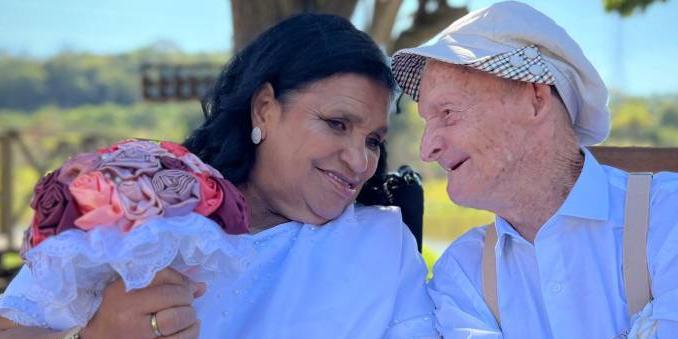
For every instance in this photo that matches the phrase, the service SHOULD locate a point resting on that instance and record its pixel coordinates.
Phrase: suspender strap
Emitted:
(490, 272)
(634, 264)
(636, 274)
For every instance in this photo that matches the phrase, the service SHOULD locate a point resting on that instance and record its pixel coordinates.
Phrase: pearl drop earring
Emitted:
(256, 135)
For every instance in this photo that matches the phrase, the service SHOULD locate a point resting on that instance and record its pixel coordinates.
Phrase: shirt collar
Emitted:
(588, 199)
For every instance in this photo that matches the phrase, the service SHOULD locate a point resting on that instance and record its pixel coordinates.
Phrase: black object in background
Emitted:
(403, 189)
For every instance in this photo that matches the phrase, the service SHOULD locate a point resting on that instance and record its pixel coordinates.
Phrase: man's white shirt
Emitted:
(569, 283)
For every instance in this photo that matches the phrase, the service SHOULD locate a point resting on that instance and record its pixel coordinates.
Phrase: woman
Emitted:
(297, 120)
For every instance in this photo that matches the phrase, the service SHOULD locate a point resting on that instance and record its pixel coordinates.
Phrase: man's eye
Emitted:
(336, 124)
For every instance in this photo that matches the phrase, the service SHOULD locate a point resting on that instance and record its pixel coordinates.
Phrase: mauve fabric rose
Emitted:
(55, 210)
(174, 148)
(211, 195)
(97, 200)
(139, 201)
(178, 190)
(233, 215)
(114, 147)
(173, 163)
(151, 147)
(79, 164)
(130, 162)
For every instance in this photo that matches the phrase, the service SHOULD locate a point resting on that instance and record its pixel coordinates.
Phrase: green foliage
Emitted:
(644, 121)
(444, 220)
(74, 79)
(627, 7)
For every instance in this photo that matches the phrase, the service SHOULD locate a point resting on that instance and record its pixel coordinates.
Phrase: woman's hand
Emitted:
(128, 315)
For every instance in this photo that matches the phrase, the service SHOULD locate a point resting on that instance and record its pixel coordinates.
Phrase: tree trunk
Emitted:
(383, 19)
(251, 17)
(427, 24)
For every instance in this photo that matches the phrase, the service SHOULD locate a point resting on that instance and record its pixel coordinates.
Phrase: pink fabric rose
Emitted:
(55, 210)
(76, 165)
(178, 190)
(233, 215)
(211, 195)
(176, 149)
(139, 201)
(97, 200)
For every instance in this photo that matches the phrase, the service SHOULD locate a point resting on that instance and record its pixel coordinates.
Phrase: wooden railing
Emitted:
(638, 159)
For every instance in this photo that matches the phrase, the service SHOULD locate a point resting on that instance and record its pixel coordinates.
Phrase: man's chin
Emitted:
(459, 197)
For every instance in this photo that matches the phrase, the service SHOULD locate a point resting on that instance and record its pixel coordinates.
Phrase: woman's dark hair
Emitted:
(291, 55)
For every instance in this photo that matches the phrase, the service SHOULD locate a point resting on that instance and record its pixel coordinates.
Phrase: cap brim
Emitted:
(408, 63)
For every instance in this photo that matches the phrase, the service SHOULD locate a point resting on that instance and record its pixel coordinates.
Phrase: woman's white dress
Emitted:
(358, 276)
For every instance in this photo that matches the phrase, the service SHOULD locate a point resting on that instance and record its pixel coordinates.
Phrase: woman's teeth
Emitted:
(343, 182)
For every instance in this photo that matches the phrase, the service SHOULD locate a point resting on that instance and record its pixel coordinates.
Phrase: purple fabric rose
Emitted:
(178, 190)
(171, 163)
(139, 201)
(130, 161)
(55, 210)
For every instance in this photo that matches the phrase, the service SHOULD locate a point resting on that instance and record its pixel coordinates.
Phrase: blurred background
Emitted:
(78, 74)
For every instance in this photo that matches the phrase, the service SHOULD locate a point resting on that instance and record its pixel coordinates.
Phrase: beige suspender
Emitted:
(636, 274)
(634, 264)
(490, 272)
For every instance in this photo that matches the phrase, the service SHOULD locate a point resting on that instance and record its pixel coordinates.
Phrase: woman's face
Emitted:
(321, 144)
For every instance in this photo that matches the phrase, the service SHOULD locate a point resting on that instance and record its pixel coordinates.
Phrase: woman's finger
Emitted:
(156, 298)
(169, 276)
(190, 333)
(176, 319)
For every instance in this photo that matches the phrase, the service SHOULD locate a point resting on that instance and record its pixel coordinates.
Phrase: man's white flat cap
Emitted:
(515, 41)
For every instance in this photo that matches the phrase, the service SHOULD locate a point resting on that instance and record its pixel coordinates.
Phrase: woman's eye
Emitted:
(373, 143)
(336, 124)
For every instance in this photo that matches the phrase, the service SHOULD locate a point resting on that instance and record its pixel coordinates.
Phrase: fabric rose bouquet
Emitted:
(126, 211)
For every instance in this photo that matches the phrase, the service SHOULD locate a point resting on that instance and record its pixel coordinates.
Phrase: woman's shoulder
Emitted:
(380, 222)
(376, 212)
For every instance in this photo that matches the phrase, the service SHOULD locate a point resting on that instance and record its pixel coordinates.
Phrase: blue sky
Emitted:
(637, 54)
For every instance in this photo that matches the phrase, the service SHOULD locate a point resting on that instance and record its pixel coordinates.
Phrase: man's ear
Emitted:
(542, 100)
(264, 108)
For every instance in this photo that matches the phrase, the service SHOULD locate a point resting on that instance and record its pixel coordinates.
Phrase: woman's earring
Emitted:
(256, 135)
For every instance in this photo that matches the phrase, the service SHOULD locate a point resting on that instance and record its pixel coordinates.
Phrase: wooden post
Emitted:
(6, 185)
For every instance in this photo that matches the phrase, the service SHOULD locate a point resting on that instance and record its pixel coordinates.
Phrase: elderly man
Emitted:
(510, 102)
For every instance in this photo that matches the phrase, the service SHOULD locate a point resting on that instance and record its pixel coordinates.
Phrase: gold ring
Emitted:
(154, 325)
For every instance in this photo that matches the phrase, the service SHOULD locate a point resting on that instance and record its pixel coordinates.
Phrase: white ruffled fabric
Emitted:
(69, 272)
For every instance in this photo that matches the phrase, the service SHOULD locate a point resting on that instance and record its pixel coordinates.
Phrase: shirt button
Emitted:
(556, 287)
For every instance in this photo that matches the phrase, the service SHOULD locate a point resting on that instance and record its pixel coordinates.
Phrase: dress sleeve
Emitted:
(413, 309)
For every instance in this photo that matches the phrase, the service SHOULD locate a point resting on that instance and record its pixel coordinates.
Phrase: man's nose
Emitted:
(432, 145)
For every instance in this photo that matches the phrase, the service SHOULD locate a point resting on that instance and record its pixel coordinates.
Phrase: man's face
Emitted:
(475, 129)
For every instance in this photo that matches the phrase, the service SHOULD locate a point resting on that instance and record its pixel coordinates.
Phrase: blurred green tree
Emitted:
(627, 7)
